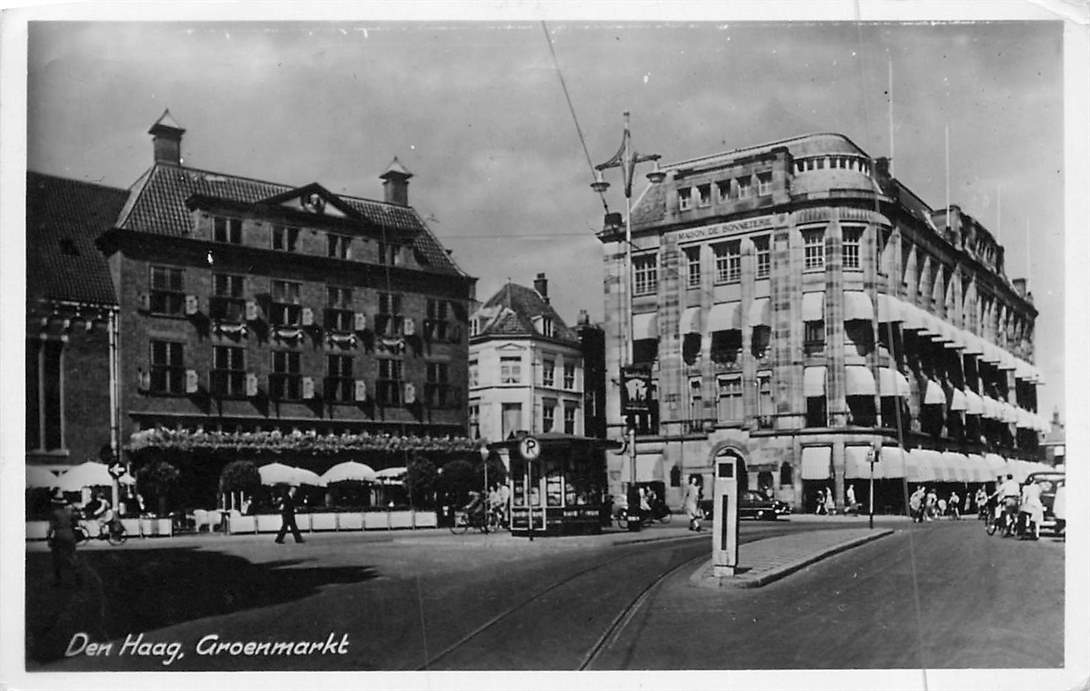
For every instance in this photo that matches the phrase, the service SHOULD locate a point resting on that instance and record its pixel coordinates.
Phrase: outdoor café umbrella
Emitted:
(278, 473)
(391, 475)
(349, 470)
(308, 477)
(89, 474)
(40, 477)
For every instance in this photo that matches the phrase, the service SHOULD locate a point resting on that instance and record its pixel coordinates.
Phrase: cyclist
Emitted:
(982, 503)
(474, 508)
(1032, 509)
(1007, 495)
(99, 511)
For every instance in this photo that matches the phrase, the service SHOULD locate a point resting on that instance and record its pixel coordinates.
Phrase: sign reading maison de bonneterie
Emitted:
(719, 229)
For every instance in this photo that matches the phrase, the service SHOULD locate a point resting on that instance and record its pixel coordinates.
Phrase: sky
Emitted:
(477, 112)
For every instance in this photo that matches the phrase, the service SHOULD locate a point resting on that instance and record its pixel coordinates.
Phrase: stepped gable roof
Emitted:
(64, 217)
(517, 307)
(157, 205)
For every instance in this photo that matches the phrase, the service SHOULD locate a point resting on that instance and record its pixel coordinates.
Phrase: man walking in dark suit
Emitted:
(287, 517)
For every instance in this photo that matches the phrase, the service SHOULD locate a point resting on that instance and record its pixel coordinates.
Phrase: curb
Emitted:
(663, 538)
(699, 578)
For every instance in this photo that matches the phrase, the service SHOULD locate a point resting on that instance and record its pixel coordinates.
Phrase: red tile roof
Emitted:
(63, 219)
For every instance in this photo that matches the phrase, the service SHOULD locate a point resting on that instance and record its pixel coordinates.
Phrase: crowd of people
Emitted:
(1022, 502)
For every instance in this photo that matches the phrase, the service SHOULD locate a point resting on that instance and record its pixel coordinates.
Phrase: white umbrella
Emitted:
(278, 473)
(308, 477)
(391, 475)
(350, 470)
(89, 474)
(40, 477)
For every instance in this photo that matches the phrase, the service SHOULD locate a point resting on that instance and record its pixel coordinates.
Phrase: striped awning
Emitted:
(858, 381)
(725, 316)
(933, 394)
(893, 383)
(813, 307)
(816, 462)
(760, 312)
(889, 309)
(645, 326)
(813, 381)
(958, 401)
(689, 322)
(974, 405)
(857, 305)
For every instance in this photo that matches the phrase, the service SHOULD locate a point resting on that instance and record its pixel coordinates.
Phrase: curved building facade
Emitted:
(797, 304)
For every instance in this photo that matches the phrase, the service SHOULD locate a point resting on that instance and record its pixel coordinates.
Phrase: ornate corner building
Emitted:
(797, 304)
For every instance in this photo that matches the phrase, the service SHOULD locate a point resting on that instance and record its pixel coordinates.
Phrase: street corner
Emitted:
(770, 560)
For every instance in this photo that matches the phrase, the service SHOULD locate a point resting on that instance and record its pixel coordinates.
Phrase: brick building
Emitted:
(796, 304)
(71, 311)
(256, 306)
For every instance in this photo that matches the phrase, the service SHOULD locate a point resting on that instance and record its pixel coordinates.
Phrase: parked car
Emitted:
(1049, 481)
(751, 504)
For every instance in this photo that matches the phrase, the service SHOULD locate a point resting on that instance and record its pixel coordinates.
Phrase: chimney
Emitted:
(584, 318)
(1020, 287)
(541, 285)
(166, 139)
(881, 166)
(395, 183)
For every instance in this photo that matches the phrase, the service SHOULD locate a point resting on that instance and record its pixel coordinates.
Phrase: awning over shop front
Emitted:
(981, 471)
(649, 468)
(813, 307)
(952, 337)
(724, 316)
(815, 462)
(858, 381)
(974, 405)
(857, 305)
(933, 394)
(959, 462)
(997, 464)
(813, 381)
(991, 408)
(1010, 413)
(856, 465)
(940, 466)
(645, 326)
(892, 462)
(1006, 360)
(760, 312)
(1025, 419)
(973, 344)
(991, 354)
(889, 309)
(893, 383)
(914, 318)
(918, 467)
(689, 322)
(959, 401)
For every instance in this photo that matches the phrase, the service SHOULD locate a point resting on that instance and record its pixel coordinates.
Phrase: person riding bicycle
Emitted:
(1032, 510)
(474, 508)
(99, 511)
(1008, 495)
(981, 499)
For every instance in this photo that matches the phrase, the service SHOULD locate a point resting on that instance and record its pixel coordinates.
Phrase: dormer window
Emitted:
(227, 230)
(685, 198)
(547, 327)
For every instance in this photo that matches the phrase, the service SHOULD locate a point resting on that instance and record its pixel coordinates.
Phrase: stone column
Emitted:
(834, 325)
(785, 288)
(749, 363)
(671, 366)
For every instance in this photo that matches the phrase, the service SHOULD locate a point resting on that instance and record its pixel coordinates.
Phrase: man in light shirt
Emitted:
(1008, 494)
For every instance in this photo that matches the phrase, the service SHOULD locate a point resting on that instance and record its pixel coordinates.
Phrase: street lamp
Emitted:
(626, 159)
(485, 497)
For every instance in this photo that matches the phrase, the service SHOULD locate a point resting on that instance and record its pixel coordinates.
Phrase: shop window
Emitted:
(815, 412)
(726, 346)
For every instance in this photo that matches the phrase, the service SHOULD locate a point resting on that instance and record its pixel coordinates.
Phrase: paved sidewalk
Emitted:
(764, 561)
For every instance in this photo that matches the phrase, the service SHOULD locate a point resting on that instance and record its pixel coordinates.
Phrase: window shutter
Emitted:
(361, 390)
(410, 393)
(251, 384)
(409, 327)
(360, 321)
(308, 388)
(251, 310)
(192, 305)
(191, 381)
(308, 316)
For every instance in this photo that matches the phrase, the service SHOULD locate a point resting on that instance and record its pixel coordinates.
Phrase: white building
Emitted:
(525, 366)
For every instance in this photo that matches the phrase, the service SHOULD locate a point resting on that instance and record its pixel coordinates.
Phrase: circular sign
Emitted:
(529, 448)
(117, 470)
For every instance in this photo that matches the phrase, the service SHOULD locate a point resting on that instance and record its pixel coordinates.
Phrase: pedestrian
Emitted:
(820, 508)
(692, 502)
(1031, 507)
(955, 506)
(287, 517)
(850, 505)
(62, 538)
(916, 505)
(504, 493)
(981, 502)
(830, 502)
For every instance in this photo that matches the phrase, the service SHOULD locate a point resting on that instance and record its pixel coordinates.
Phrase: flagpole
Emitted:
(891, 156)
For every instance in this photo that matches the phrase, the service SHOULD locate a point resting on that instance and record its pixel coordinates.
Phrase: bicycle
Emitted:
(485, 523)
(113, 531)
(1001, 518)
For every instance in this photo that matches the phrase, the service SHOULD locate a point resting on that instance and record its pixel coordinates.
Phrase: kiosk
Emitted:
(557, 483)
(725, 524)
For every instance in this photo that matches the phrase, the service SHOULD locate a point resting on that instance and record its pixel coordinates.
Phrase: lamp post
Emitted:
(626, 159)
(485, 497)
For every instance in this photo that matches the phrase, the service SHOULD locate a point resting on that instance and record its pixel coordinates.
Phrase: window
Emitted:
(547, 327)
(284, 309)
(389, 254)
(730, 399)
(850, 247)
(645, 350)
(728, 262)
(435, 325)
(227, 303)
(474, 421)
(800, 166)
(685, 198)
(813, 337)
(50, 417)
(228, 376)
(696, 404)
(338, 246)
(285, 384)
(511, 370)
(166, 291)
(474, 373)
(569, 419)
(692, 264)
(338, 314)
(704, 195)
(725, 346)
(285, 239)
(723, 189)
(167, 368)
(813, 245)
(821, 163)
(227, 230)
(645, 274)
(437, 389)
(388, 384)
(511, 420)
(745, 186)
(690, 348)
(548, 372)
(764, 256)
(388, 321)
(765, 404)
(548, 415)
(569, 375)
(764, 183)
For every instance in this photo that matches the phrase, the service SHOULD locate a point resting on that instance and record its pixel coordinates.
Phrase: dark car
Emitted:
(751, 504)
(1049, 481)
